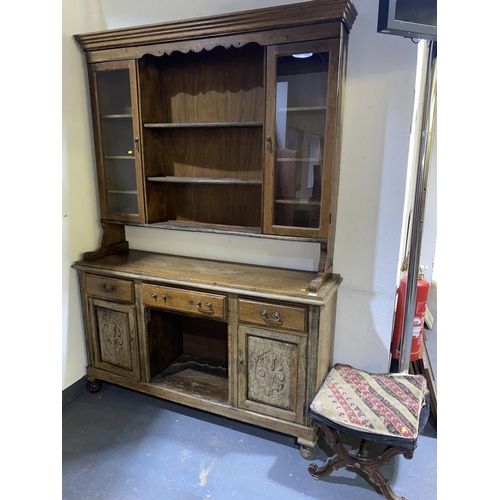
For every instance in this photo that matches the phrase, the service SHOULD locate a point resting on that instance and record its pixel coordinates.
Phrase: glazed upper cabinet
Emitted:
(117, 140)
(228, 124)
(205, 160)
(301, 101)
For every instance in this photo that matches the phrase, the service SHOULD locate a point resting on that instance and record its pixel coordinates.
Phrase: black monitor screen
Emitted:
(408, 18)
(419, 12)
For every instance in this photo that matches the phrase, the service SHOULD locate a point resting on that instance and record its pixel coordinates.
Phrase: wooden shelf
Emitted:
(117, 116)
(193, 376)
(186, 361)
(318, 161)
(203, 227)
(298, 202)
(116, 191)
(119, 157)
(203, 125)
(205, 386)
(203, 180)
(304, 109)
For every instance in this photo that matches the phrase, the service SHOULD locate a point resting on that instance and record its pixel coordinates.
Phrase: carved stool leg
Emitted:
(362, 447)
(370, 466)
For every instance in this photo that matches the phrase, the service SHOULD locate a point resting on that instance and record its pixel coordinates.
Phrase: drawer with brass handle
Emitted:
(189, 301)
(109, 288)
(262, 313)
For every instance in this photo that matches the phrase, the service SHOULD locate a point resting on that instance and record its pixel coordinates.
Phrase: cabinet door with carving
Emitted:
(113, 330)
(271, 373)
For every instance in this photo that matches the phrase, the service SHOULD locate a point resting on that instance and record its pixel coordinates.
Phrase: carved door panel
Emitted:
(271, 373)
(114, 342)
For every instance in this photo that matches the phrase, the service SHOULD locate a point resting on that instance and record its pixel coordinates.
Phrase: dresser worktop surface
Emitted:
(213, 275)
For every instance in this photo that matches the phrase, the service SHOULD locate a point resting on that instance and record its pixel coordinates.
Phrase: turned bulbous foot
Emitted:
(93, 386)
(307, 452)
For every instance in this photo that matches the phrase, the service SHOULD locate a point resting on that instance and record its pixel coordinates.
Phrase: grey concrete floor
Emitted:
(118, 444)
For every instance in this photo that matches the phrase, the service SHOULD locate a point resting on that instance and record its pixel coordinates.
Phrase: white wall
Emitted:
(378, 112)
(122, 13)
(428, 249)
(80, 229)
(429, 214)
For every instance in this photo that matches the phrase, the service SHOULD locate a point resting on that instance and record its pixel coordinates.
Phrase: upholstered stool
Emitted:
(390, 409)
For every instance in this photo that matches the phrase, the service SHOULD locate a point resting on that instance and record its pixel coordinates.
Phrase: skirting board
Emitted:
(73, 391)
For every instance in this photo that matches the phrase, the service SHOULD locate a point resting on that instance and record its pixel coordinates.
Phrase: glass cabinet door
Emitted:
(118, 141)
(298, 155)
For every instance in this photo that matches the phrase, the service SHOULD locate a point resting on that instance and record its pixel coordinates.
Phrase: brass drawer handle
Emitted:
(105, 288)
(200, 308)
(265, 316)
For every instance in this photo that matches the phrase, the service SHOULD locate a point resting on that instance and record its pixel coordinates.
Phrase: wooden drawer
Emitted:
(109, 288)
(188, 301)
(262, 313)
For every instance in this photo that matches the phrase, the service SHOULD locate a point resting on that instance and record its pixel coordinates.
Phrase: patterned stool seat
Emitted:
(390, 408)
(386, 408)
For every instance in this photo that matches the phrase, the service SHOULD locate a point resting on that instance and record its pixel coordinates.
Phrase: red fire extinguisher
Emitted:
(418, 318)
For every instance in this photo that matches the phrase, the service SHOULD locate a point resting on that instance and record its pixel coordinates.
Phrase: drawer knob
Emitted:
(107, 289)
(275, 317)
(240, 361)
(164, 297)
(202, 309)
(154, 295)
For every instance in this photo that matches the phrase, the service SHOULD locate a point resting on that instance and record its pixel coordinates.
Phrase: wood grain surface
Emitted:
(259, 281)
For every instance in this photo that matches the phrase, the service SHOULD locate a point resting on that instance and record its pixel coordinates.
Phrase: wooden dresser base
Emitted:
(245, 342)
